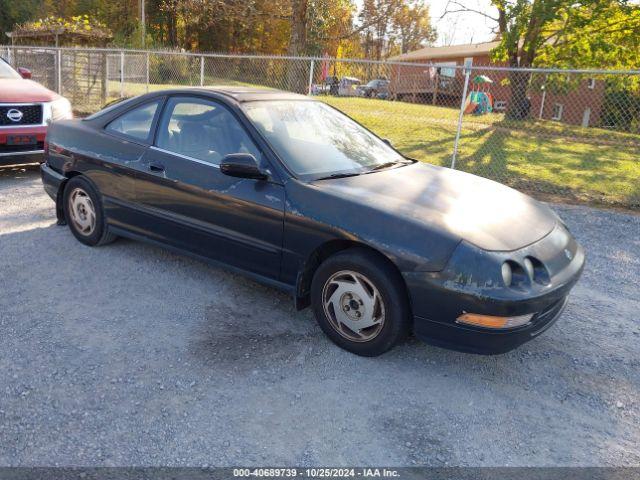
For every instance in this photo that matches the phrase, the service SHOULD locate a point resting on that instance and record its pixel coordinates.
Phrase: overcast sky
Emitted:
(460, 28)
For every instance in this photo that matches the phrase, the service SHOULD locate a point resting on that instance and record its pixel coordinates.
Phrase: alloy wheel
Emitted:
(353, 305)
(83, 212)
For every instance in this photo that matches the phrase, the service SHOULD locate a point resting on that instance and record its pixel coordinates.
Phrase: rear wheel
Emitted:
(360, 302)
(84, 214)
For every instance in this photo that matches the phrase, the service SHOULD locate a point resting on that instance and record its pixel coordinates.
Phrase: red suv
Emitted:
(26, 108)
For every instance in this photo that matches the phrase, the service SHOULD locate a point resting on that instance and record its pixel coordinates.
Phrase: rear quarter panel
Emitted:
(78, 147)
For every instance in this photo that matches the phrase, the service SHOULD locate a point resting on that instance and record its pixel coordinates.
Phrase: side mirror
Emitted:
(387, 141)
(242, 165)
(24, 72)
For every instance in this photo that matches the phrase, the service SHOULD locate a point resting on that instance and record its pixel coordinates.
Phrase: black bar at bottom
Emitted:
(400, 473)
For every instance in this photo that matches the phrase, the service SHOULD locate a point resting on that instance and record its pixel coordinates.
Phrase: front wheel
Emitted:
(360, 302)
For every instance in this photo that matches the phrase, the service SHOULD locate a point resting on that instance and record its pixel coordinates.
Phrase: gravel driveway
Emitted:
(130, 355)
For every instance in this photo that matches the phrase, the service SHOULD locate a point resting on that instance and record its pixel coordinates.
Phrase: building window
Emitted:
(500, 105)
(557, 111)
(591, 83)
(446, 69)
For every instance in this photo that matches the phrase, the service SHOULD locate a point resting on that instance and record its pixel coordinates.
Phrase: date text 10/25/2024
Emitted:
(316, 472)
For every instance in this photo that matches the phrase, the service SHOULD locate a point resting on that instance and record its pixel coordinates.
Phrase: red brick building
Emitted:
(441, 83)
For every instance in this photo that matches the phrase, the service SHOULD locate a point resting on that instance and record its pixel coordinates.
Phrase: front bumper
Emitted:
(20, 155)
(466, 338)
(472, 283)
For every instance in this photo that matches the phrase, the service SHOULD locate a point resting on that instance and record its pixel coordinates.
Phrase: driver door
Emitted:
(190, 204)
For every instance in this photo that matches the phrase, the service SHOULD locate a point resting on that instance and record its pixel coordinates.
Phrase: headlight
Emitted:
(60, 110)
(507, 274)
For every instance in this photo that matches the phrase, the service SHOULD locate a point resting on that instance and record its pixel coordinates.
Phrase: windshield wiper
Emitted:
(340, 175)
(390, 164)
(376, 168)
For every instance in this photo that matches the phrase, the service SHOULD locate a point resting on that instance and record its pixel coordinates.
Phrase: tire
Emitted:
(83, 212)
(356, 281)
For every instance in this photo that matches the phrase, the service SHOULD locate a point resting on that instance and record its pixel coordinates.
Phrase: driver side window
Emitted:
(202, 129)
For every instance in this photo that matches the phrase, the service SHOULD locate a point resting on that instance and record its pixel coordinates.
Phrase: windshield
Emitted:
(315, 140)
(7, 72)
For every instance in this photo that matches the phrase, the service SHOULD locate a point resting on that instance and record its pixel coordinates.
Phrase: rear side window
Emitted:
(109, 106)
(135, 123)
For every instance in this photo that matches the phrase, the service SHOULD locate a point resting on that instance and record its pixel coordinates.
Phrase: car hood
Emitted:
(480, 211)
(24, 91)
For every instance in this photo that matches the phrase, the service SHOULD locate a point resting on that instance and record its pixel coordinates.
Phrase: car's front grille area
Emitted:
(4, 148)
(28, 115)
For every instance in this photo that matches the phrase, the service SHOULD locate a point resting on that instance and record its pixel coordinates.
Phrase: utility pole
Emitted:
(143, 24)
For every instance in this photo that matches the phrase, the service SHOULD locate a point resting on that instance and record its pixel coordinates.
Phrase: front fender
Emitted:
(314, 218)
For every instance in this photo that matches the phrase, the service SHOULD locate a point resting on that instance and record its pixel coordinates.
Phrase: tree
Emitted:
(412, 26)
(330, 23)
(12, 13)
(604, 34)
(294, 27)
(394, 26)
(567, 33)
(377, 17)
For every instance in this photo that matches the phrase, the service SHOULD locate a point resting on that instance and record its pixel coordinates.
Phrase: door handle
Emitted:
(156, 167)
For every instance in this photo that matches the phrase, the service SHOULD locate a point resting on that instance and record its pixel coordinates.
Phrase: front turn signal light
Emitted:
(490, 321)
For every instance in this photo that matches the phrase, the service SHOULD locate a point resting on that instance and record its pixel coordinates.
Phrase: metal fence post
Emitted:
(59, 70)
(104, 90)
(463, 102)
(201, 70)
(311, 67)
(122, 74)
(146, 76)
(544, 96)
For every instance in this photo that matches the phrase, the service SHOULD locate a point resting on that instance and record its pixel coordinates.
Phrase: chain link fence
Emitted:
(566, 135)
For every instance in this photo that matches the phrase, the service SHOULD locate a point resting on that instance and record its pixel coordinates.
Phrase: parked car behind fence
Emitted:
(377, 88)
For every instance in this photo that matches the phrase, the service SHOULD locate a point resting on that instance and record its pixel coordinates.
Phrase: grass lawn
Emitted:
(549, 158)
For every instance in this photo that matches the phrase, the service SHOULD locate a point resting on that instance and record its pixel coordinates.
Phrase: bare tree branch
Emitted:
(464, 9)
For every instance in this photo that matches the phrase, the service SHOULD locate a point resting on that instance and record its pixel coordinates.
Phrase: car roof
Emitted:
(237, 94)
(243, 94)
